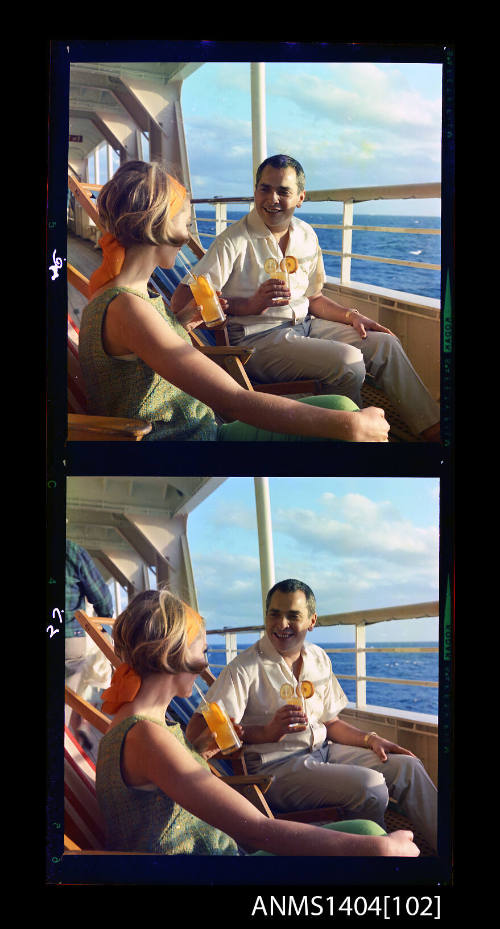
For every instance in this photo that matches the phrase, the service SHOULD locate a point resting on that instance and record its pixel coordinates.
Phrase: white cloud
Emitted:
(359, 531)
(370, 97)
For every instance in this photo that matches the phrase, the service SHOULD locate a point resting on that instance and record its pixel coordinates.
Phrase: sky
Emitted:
(358, 543)
(349, 124)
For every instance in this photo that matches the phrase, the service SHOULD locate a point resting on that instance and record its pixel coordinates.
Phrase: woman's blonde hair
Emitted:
(134, 205)
(151, 634)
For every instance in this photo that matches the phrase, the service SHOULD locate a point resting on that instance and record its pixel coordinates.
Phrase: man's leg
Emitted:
(310, 781)
(286, 353)
(407, 782)
(386, 361)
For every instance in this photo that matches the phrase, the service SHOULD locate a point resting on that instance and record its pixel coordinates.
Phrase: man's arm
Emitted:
(324, 308)
(345, 734)
(95, 588)
(287, 719)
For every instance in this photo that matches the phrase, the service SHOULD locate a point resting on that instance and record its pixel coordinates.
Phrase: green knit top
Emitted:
(146, 820)
(130, 388)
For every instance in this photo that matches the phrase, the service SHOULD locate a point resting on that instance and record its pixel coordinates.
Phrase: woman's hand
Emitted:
(190, 316)
(205, 743)
(400, 844)
(370, 425)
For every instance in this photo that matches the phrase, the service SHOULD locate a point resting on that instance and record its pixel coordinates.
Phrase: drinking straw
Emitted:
(201, 694)
(186, 266)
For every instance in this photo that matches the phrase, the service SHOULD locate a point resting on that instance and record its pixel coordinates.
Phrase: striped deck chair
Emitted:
(83, 824)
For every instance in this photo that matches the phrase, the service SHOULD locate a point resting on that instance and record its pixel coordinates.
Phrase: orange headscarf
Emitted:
(124, 687)
(177, 196)
(126, 683)
(113, 254)
(194, 623)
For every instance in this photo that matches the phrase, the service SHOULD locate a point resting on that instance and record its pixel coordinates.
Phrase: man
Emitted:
(316, 758)
(299, 332)
(85, 666)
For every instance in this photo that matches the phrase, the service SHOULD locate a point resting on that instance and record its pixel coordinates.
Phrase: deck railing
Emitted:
(360, 650)
(348, 197)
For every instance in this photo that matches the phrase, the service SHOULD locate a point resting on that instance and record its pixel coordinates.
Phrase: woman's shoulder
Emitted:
(122, 297)
(143, 732)
(135, 718)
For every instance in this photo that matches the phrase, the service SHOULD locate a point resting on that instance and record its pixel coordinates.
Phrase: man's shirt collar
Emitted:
(258, 227)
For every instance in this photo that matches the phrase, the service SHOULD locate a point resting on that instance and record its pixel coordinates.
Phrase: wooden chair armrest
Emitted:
(248, 780)
(78, 280)
(85, 709)
(80, 194)
(100, 638)
(83, 427)
(289, 387)
(226, 351)
(195, 247)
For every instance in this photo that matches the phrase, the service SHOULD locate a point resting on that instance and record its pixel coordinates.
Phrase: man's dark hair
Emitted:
(283, 161)
(289, 586)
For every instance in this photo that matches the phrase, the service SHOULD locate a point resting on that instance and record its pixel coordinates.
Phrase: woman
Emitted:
(137, 359)
(156, 792)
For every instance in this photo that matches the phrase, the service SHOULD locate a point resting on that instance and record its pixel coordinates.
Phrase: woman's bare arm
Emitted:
(133, 325)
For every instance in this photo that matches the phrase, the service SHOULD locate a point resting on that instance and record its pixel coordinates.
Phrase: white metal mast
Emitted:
(258, 93)
(265, 532)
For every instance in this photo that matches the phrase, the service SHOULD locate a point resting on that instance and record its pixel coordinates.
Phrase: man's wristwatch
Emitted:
(368, 736)
(351, 313)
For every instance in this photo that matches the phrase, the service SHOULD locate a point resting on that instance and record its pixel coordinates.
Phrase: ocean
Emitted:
(415, 666)
(423, 248)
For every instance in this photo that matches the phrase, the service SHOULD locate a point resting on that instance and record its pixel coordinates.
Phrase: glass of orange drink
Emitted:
(221, 726)
(297, 697)
(281, 270)
(208, 301)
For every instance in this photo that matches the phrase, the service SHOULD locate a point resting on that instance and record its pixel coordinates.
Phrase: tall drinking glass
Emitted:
(297, 697)
(205, 295)
(220, 725)
(208, 301)
(281, 270)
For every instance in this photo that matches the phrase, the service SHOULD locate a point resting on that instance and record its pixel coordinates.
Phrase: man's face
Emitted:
(277, 196)
(288, 622)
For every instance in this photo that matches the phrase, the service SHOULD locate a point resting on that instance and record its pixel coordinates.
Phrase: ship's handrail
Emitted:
(360, 650)
(348, 197)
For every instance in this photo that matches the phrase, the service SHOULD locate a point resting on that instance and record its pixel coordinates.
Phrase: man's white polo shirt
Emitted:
(235, 265)
(249, 688)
